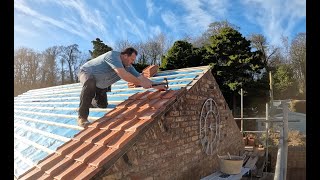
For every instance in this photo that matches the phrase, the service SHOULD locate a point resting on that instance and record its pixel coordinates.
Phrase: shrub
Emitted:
(298, 106)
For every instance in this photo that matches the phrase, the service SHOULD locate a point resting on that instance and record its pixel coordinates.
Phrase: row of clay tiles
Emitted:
(147, 72)
(84, 155)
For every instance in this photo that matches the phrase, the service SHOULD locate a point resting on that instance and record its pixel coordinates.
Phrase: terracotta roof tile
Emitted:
(68, 147)
(84, 147)
(105, 140)
(60, 166)
(102, 141)
(138, 95)
(162, 103)
(138, 125)
(50, 161)
(122, 138)
(71, 171)
(102, 157)
(125, 123)
(90, 153)
(96, 137)
(86, 133)
(86, 174)
(45, 177)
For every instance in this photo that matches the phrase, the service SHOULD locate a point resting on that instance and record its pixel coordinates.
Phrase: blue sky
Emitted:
(39, 24)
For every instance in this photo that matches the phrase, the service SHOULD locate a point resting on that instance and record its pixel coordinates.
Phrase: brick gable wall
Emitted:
(171, 148)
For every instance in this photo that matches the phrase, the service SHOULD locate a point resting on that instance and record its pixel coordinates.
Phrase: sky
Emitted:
(40, 24)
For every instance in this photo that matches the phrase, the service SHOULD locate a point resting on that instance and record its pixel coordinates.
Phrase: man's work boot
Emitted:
(83, 122)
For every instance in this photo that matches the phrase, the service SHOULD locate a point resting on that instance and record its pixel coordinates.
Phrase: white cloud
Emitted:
(170, 20)
(196, 17)
(150, 7)
(275, 18)
(83, 28)
(155, 29)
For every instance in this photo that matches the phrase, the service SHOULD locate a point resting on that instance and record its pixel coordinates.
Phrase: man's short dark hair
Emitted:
(129, 51)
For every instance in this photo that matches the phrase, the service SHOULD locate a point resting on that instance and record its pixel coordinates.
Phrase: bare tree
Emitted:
(26, 70)
(259, 42)
(142, 53)
(298, 59)
(155, 48)
(122, 44)
(49, 65)
(70, 55)
(213, 29)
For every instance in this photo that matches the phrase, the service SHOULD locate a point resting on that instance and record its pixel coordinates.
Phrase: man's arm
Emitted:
(141, 80)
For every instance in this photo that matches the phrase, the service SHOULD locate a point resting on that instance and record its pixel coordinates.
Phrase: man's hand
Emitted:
(145, 82)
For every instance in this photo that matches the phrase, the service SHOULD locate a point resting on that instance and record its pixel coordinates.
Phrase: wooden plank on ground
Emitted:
(251, 162)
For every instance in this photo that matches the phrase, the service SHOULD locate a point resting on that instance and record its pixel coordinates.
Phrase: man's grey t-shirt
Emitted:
(102, 69)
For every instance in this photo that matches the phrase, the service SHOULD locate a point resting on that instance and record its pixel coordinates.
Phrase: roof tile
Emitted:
(71, 171)
(116, 111)
(68, 147)
(45, 177)
(148, 114)
(79, 150)
(169, 94)
(138, 125)
(94, 150)
(96, 137)
(54, 158)
(138, 95)
(162, 103)
(121, 139)
(60, 166)
(105, 140)
(86, 133)
(102, 157)
(150, 95)
(137, 103)
(125, 123)
(125, 103)
(86, 174)
(97, 123)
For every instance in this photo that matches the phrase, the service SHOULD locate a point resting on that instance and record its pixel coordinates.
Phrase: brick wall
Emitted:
(296, 163)
(172, 150)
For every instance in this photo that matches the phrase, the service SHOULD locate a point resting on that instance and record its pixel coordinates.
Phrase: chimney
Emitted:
(147, 72)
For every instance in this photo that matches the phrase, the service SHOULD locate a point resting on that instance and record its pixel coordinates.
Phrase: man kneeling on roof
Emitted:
(98, 74)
